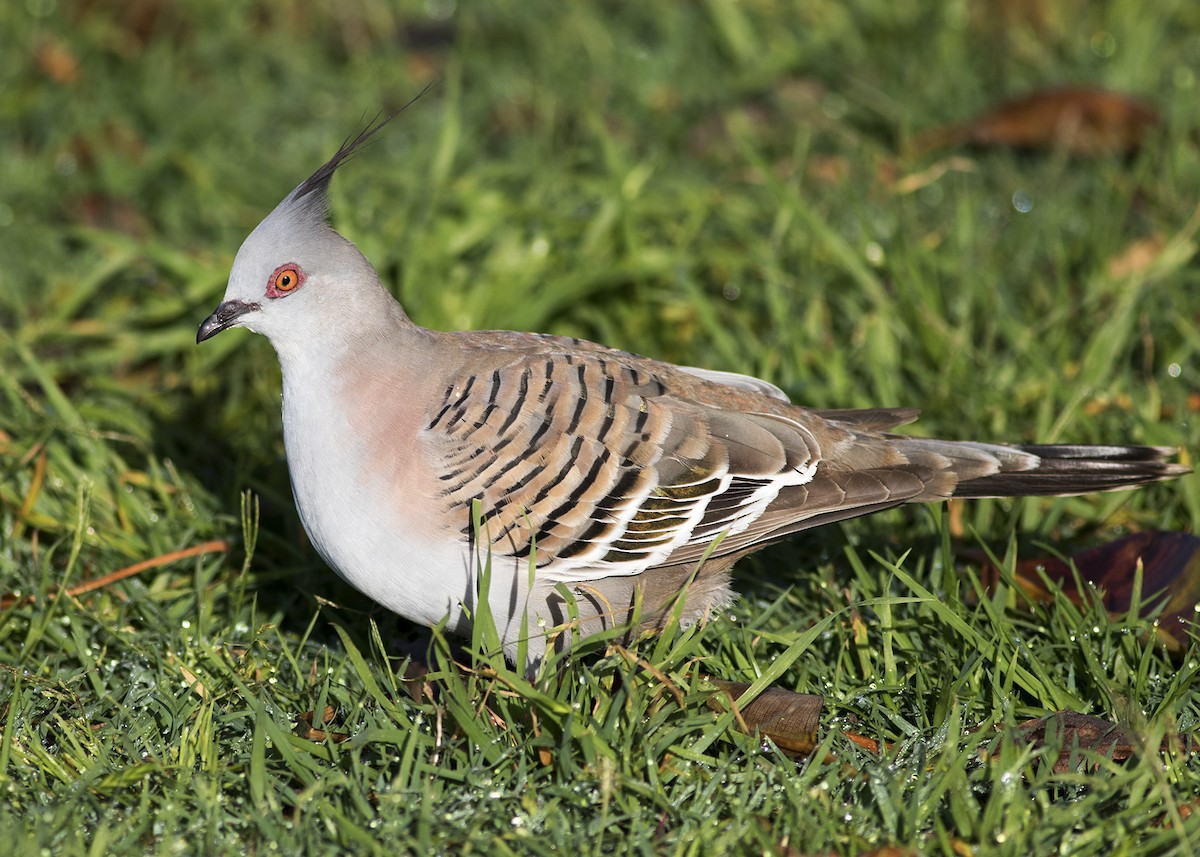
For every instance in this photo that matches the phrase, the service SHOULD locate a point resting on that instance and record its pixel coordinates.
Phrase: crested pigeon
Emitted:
(602, 479)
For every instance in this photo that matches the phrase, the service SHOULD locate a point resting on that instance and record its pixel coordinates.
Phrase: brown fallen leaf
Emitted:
(1170, 565)
(415, 682)
(1137, 257)
(304, 727)
(1185, 811)
(1079, 735)
(1075, 732)
(831, 170)
(1124, 403)
(868, 744)
(35, 487)
(55, 60)
(788, 718)
(194, 682)
(1105, 401)
(1083, 120)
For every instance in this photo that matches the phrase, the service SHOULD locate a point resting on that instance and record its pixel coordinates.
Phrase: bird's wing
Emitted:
(738, 381)
(591, 462)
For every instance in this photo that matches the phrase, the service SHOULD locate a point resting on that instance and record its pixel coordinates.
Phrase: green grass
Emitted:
(710, 183)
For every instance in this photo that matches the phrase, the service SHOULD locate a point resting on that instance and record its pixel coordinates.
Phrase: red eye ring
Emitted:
(286, 279)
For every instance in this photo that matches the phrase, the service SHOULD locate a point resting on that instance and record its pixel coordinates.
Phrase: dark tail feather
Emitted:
(1066, 469)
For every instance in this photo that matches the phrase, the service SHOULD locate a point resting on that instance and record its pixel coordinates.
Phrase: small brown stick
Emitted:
(217, 546)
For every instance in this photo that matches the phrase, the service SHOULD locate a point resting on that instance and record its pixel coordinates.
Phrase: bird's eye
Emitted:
(286, 279)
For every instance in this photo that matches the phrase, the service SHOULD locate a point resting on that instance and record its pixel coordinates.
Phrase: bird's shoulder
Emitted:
(499, 355)
(513, 353)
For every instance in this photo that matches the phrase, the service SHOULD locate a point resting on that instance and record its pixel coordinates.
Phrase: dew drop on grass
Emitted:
(1103, 44)
(834, 106)
(440, 10)
(1174, 370)
(65, 164)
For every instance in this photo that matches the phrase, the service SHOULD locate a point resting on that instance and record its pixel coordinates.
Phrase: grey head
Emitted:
(294, 279)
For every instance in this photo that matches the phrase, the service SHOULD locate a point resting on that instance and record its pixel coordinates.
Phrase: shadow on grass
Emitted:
(288, 579)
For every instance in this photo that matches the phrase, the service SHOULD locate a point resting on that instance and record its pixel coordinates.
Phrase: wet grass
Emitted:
(719, 184)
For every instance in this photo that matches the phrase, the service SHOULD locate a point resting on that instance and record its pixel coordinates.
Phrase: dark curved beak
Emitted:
(223, 317)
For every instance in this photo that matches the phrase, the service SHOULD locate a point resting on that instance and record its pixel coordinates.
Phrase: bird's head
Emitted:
(295, 279)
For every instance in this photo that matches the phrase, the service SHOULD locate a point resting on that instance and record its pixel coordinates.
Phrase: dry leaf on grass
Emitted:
(1083, 120)
(1170, 568)
(305, 728)
(1081, 736)
(1137, 257)
(55, 60)
(788, 718)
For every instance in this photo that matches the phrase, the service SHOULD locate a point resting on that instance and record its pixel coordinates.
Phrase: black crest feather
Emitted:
(318, 182)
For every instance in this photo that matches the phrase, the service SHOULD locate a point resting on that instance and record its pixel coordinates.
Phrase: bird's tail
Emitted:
(994, 470)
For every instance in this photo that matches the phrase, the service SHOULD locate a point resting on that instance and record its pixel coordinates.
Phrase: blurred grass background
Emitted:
(738, 185)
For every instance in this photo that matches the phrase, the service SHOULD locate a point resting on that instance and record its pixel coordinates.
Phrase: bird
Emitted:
(572, 486)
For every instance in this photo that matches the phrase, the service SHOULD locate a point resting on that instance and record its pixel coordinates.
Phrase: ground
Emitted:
(752, 186)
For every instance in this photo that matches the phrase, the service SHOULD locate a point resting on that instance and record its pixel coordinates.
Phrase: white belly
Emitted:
(372, 533)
